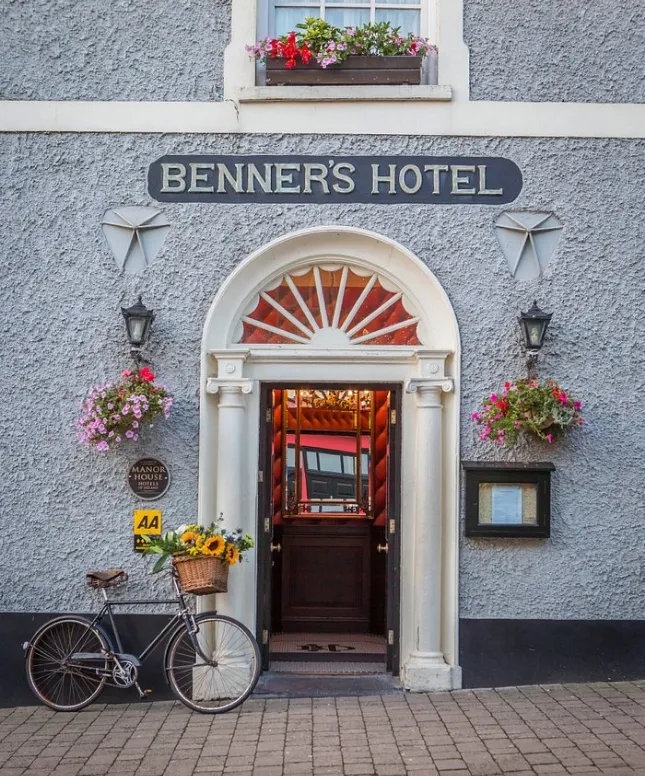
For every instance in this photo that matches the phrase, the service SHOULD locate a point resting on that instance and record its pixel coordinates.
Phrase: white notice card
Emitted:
(507, 504)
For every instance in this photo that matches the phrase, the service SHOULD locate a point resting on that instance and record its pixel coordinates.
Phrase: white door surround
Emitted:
(230, 422)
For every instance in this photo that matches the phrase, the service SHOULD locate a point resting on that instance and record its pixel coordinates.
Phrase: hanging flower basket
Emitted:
(113, 413)
(528, 407)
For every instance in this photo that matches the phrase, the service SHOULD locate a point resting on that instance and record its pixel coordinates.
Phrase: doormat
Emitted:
(327, 668)
(328, 647)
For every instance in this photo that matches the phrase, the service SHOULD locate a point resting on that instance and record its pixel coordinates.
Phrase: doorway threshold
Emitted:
(327, 668)
(277, 685)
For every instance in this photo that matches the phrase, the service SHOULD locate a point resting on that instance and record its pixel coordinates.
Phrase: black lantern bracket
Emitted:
(138, 320)
(533, 323)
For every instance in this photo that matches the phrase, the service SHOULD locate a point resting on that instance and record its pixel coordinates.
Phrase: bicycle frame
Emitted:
(184, 614)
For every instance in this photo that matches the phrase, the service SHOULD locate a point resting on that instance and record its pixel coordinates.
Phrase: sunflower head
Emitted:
(189, 536)
(232, 554)
(213, 545)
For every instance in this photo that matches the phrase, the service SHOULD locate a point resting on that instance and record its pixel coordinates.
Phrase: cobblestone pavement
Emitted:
(575, 729)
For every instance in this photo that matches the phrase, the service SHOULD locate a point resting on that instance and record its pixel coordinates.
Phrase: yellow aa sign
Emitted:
(147, 522)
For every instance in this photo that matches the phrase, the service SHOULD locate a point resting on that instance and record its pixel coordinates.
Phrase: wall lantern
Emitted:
(534, 323)
(138, 320)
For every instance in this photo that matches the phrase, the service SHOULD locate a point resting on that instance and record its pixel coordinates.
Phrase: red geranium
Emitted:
(146, 374)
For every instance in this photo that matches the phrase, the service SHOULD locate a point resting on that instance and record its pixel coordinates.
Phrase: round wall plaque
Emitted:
(148, 478)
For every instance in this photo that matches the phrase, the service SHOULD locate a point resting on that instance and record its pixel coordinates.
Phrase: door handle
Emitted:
(381, 548)
(276, 547)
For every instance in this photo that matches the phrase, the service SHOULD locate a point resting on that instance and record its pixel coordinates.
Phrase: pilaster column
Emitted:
(231, 444)
(426, 669)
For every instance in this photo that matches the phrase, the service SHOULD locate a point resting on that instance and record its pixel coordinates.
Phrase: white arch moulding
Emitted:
(231, 374)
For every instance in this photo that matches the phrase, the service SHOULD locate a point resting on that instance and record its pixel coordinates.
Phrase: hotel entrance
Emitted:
(328, 549)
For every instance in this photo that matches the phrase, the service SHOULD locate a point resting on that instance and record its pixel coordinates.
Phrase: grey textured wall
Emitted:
(117, 50)
(64, 509)
(550, 50)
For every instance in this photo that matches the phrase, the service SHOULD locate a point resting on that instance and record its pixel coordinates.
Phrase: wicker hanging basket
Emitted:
(202, 575)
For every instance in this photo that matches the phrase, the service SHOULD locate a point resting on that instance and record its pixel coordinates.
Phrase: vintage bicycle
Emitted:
(211, 661)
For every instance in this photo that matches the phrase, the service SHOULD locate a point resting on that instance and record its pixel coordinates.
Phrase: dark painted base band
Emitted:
(493, 653)
(498, 653)
(136, 631)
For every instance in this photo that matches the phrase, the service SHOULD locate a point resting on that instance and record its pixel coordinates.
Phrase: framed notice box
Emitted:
(508, 499)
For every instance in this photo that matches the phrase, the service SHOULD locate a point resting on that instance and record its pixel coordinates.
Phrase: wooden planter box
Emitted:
(356, 71)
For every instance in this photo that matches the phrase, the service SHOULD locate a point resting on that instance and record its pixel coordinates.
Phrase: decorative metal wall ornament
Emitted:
(528, 241)
(135, 236)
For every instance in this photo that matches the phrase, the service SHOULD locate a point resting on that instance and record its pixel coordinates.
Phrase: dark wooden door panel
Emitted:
(326, 579)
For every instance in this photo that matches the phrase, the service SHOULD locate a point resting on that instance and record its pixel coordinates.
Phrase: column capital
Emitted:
(223, 387)
(424, 386)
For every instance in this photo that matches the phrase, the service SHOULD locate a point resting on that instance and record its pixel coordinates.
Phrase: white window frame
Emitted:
(442, 23)
(427, 29)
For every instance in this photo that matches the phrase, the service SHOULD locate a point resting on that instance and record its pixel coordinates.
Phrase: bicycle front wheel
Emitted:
(55, 679)
(227, 677)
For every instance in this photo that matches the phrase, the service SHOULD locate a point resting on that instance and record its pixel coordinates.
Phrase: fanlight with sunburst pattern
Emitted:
(330, 306)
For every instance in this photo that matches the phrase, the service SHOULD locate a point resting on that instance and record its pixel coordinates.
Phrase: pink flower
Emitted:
(102, 446)
(549, 438)
(126, 373)
(494, 398)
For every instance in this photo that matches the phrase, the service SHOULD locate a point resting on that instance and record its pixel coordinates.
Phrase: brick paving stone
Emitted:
(571, 729)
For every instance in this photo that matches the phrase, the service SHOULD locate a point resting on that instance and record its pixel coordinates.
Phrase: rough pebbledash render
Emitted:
(117, 50)
(63, 331)
(173, 49)
(555, 50)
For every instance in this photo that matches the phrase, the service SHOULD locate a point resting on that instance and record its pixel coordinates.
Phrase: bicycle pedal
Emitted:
(145, 693)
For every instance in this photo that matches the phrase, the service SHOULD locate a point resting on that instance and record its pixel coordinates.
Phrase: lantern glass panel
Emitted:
(535, 330)
(137, 328)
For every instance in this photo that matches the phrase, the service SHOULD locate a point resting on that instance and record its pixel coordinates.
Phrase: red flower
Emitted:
(503, 406)
(305, 54)
(146, 374)
(290, 63)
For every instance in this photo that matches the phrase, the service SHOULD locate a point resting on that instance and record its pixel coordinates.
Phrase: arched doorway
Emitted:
(337, 307)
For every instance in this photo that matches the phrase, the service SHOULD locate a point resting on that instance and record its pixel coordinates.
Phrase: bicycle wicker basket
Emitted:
(202, 575)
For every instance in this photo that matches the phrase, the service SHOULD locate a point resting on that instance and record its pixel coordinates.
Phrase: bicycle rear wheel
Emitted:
(54, 679)
(231, 672)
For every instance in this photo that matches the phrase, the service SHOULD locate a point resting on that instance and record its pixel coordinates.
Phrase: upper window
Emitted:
(284, 15)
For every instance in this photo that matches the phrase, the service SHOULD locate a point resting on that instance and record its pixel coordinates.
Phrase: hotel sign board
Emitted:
(333, 179)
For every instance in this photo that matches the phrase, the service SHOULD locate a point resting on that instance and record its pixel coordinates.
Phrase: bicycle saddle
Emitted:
(107, 578)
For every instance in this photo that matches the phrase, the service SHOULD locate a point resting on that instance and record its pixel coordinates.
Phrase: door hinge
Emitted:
(392, 526)
(267, 525)
(267, 415)
(265, 636)
(260, 475)
(393, 417)
(390, 637)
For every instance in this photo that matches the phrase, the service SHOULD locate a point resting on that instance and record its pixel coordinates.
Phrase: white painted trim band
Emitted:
(450, 119)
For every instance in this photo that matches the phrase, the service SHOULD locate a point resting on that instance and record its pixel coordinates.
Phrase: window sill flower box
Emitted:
(355, 71)
(319, 54)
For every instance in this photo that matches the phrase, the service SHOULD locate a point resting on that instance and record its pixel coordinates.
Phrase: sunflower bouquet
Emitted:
(198, 542)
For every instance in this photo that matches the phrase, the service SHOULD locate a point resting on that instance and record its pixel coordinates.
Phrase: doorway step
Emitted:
(275, 685)
(329, 668)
